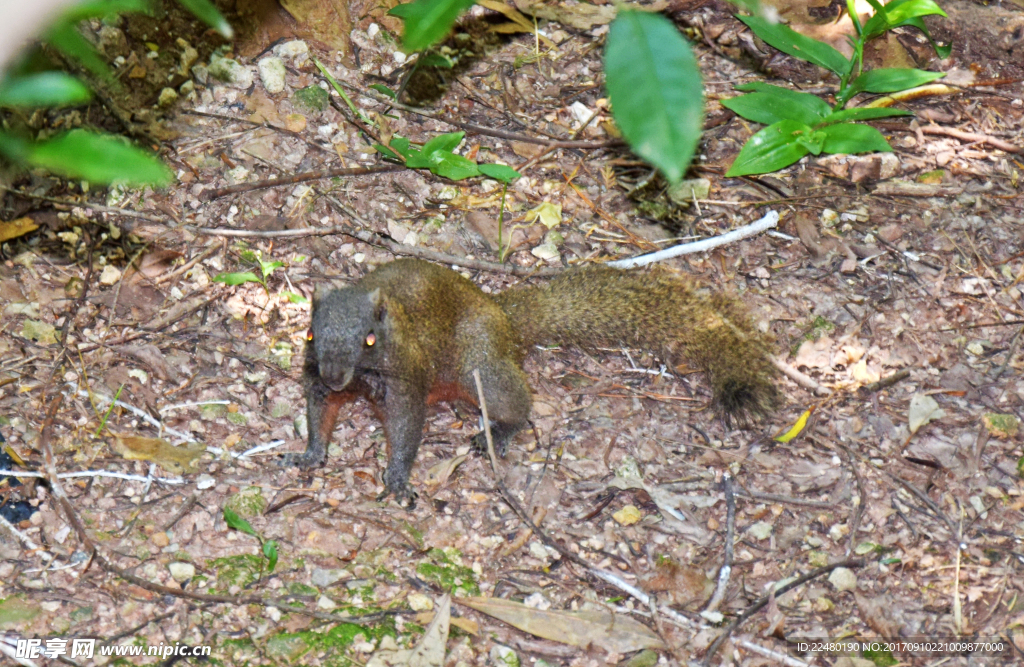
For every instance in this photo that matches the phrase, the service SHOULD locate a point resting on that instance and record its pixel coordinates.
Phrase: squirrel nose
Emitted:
(335, 379)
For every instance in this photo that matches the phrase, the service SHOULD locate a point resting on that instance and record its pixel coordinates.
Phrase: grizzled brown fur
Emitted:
(411, 333)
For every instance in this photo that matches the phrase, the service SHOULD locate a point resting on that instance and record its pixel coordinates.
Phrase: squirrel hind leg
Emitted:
(501, 434)
(508, 399)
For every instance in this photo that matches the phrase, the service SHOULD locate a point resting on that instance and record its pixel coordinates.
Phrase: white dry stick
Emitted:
(771, 219)
(179, 406)
(141, 414)
(258, 449)
(7, 649)
(94, 473)
(25, 539)
(685, 622)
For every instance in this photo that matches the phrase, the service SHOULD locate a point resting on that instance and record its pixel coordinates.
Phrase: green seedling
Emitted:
(801, 123)
(240, 278)
(438, 156)
(268, 547)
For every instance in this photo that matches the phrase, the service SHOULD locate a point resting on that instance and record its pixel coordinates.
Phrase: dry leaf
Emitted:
(860, 372)
(439, 474)
(679, 584)
(15, 228)
(548, 214)
(178, 460)
(615, 633)
(627, 516)
(429, 652)
(580, 16)
(923, 409)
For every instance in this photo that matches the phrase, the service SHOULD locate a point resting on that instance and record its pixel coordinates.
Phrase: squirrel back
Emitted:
(599, 306)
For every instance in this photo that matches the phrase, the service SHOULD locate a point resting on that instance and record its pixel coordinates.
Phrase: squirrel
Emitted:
(411, 333)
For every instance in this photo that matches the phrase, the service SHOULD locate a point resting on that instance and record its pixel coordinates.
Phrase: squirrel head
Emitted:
(347, 332)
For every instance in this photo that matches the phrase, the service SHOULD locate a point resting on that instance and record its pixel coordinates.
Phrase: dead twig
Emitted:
(94, 206)
(760, 604)
(490, 131)
(801, 379)
(971, 136)
(887, 381)
(375, 239)
(209, 195)
(730, 535)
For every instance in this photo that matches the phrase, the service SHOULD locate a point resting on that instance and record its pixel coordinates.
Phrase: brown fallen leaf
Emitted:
(462, 623)
(439, 474)
(177, 460)
(679, 584)
(519, 23)
(580, 16)
(158, 262)
(15, 228)
(430, 650)
(615, 633)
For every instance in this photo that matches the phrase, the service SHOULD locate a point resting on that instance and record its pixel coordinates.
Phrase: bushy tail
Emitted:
(604, 307)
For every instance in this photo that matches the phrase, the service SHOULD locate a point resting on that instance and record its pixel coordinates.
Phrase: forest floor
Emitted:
(892, 287)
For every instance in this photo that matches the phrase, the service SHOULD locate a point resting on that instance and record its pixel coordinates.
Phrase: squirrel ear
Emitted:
(380, 308)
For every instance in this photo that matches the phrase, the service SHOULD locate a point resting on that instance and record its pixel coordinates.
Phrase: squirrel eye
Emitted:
(309, 334)
(371, 338)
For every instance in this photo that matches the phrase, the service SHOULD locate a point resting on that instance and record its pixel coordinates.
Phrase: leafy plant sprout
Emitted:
(800, 123)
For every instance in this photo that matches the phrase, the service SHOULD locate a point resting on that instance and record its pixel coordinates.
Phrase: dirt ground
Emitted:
(892, 287)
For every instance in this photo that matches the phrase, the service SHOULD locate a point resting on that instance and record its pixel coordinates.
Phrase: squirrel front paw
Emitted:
(405, 496)
(304, 461)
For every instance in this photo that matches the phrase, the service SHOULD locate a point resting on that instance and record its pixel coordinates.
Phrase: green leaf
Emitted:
(853, 138)
(208, 14)
(238, 523)
(266, 268)
(387, 152)
(903, 13)
(864, 113)
(455, 167)
(436, 60)
(851, 10)
(384, 90)
(888, 80)
(499, 172)
(941, 51)
(428, 21)
(654, 85)
(44, 89)
(99, 158)
(65, 38)
(789, 41)
(270, 551)
(772, 104)
(442, 143)
(899, 13)
(812, 141)
(401, 144)
(295, 298)
(105, 9)
(771, 149)
(237, 278)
